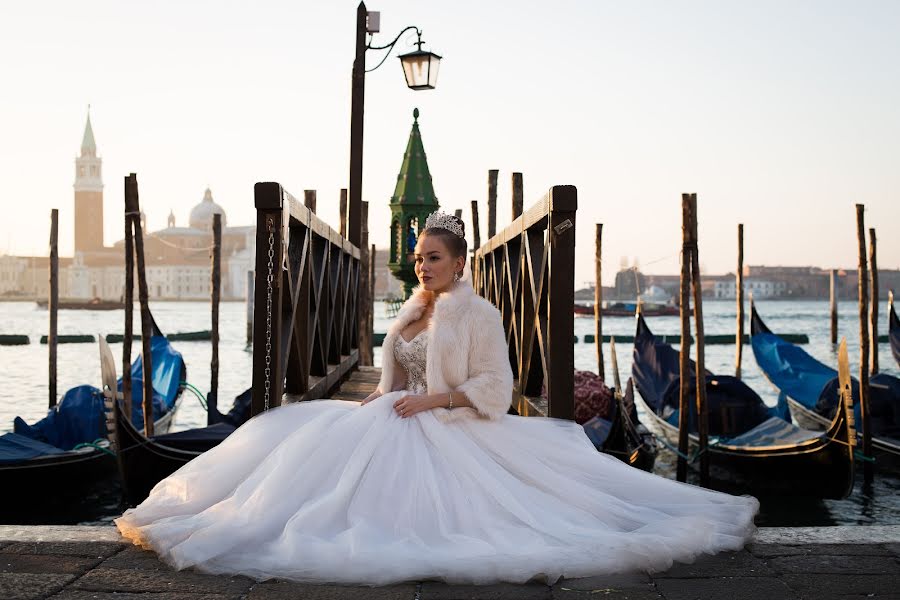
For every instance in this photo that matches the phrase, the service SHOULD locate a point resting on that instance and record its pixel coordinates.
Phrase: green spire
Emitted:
(88, 145)
(414, 181)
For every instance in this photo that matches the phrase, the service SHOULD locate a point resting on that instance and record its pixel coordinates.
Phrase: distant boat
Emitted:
(627, 309)
(751, 447)
(809, 388)
(92, 304)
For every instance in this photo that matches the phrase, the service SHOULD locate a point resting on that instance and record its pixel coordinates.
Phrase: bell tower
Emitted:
(88, 194)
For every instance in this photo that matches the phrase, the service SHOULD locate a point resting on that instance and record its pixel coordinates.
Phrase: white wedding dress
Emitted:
(331, 491)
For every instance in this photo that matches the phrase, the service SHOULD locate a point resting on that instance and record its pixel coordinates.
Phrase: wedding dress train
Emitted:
(331, 491)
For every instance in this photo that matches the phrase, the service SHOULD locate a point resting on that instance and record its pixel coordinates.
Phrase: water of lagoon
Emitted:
(23, 379)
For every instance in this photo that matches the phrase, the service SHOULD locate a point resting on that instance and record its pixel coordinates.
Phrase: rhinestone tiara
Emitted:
(444, 221)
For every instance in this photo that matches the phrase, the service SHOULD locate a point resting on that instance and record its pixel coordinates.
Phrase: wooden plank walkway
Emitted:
(360, 384)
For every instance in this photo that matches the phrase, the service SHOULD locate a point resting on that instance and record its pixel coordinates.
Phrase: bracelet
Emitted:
(451, 401)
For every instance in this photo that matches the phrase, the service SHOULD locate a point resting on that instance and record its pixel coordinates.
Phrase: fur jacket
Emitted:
(467, 352)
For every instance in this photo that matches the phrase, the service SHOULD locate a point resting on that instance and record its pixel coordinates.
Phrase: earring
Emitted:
(456, 276)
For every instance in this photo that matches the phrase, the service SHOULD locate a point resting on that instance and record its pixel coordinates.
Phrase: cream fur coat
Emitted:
(467, 352)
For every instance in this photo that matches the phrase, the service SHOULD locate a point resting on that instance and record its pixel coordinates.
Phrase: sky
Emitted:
(779, 115)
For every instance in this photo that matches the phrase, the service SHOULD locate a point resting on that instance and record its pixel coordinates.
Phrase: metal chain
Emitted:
(269, 279)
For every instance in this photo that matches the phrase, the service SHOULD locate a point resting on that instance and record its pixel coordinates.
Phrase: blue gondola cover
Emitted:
(80, 415)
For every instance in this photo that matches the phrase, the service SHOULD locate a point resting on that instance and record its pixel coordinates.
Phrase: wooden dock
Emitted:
(360, 384)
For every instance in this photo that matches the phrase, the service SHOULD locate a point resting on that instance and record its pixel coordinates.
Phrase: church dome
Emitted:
(202, 214)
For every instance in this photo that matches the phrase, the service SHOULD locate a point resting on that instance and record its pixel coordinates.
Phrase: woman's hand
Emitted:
(370, 397)
(411, 404)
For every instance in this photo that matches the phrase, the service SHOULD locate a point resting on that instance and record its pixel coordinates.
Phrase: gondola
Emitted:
(143, 462)
(809, 384)
(66, 457)
(611, 424)
(752, 448)
(893, 328)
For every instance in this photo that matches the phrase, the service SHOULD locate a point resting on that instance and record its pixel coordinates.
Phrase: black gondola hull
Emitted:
(821, 469)
(143, 462)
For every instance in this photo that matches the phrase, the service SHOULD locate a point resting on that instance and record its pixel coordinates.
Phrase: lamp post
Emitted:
(420, 69)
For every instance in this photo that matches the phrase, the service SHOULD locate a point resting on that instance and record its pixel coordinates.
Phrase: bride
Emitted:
(428, 477)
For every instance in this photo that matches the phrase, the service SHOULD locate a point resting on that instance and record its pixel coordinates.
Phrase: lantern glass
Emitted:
(420, 69)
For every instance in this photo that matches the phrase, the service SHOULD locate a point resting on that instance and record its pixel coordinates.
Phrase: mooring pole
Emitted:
(702, 408)
(132, 200)
(739, 283)
(873, 311)
(517, 195)
(215, 288)
(53, 301)
(130, 215)
(684, 351)
(492, 203)
(598, 302)
(834, 310)
(863, 284)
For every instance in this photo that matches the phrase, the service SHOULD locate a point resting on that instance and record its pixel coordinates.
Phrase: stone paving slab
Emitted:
(286, 590)
(29, 586)
(771, 550)
(45, 563)
(832, 564)
(81, 563)
(86, 549)
(504, 591)
(826, 586)
(726, 564)
(647, 591)
(636, 586)
(730, 588)
(104, 579)
(84, 595)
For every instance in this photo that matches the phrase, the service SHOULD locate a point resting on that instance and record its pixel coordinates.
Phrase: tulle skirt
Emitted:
(331, 491)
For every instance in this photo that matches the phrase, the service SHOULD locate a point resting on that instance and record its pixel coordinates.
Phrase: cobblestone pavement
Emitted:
(87, 563)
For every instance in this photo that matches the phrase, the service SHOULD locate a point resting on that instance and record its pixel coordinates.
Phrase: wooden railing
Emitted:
(305, 325)
(528, 272)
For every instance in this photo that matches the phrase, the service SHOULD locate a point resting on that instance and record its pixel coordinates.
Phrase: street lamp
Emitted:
(420, 68)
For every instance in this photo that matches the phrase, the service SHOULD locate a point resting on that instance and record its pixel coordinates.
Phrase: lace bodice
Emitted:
(411, 356)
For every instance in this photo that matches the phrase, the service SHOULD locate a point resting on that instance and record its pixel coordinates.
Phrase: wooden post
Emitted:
(458, 213)
(517, 197)
(863, 283)
(365, 300)
(216, 288)
(476, 243)
(268, 358)
(476, 229)
(309, 199)
(371, 326)
(834, 310)
(739, 292)
(560, 299)
(130, 215)
(251, 279)
(685, 346)
(598, 302)
(53, 301)
(702, 409)
(132, 200)
(492, 203)
(343, 208)
(873, 312)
